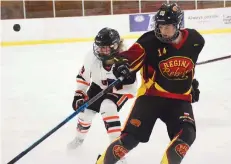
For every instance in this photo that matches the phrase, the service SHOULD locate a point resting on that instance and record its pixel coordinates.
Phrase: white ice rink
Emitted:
(37, 87)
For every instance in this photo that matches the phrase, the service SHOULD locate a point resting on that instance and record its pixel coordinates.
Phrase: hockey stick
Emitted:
(81, 108)
(213, 60)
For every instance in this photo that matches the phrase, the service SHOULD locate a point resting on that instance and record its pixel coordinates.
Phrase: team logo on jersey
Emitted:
(176, 68)
(135, 122)
(119, 151)
(181, 149)
(107, 81)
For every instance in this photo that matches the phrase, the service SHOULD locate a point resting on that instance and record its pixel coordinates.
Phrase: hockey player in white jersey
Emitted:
(98, 71)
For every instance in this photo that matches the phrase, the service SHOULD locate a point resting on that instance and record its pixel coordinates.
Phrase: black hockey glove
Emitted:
(79, 99)
(121, 68)
(195, 91)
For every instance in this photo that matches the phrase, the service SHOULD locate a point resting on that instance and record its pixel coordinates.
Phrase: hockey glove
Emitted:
(195, 91)
(79, 99)
(121, 68)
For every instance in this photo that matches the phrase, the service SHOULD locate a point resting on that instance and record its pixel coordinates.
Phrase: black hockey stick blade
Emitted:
(214, 60)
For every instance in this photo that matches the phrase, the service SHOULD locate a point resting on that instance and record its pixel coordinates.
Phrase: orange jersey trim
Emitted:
(83, 82)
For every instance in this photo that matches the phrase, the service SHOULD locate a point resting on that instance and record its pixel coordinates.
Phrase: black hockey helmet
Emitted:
(168, 14)
(106, 44)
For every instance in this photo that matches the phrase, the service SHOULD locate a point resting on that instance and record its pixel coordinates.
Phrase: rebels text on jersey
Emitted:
(167, 70)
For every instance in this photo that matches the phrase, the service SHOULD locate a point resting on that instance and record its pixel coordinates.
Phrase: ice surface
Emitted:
(37, 86)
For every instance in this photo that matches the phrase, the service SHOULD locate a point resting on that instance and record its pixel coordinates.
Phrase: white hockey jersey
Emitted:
(93, 71)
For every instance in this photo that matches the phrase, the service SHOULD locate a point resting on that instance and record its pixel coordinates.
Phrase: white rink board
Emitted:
(85, 27)
(208, 18)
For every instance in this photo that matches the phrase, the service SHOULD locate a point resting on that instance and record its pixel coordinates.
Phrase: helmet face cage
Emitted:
(106, 44)
(168, 14)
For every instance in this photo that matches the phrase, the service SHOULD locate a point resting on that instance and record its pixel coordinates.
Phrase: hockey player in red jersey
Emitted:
(166, 58)
(98, 71)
